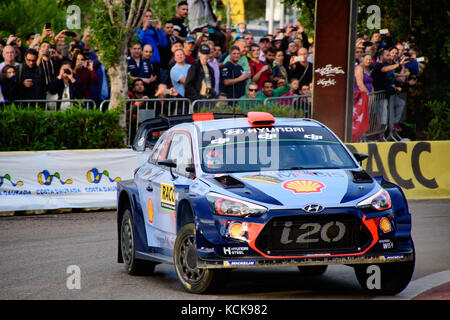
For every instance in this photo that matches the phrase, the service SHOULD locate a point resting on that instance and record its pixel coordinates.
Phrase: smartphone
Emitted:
(384, 31)
(299, 59)
(153, 22)
(48, 25)
(420, 59)
(210, 30)
(70, 34)
(167, 91)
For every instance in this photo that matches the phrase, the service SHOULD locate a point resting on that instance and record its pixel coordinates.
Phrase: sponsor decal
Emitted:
(387, 244)
(95, 176)
(45, 178)
(8, 177)
(230, 263)
(303, 186)
(167, 196)
(262, 178)
(150, 211)
(235, 251)
(312, 137)
(385, 225)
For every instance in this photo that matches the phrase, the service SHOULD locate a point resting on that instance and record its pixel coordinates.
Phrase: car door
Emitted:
(147, 183)
(167, 185)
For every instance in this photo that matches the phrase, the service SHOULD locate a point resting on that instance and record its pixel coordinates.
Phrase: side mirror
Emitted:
(168, 163)
(360, 157)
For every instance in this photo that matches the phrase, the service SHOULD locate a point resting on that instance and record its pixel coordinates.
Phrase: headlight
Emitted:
(227, 206)
(379, 201)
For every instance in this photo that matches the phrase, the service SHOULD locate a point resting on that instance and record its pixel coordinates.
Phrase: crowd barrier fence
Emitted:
(381, 110)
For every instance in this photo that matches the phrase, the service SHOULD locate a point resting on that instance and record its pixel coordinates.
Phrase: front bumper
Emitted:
(367, 245)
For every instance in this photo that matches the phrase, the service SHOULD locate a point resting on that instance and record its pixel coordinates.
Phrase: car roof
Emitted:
(244, 122)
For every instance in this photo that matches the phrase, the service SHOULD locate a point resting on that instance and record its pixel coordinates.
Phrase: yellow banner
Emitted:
(237, 10)
(420, 168)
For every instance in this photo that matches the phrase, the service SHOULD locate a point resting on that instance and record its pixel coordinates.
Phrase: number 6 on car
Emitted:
(225, 191)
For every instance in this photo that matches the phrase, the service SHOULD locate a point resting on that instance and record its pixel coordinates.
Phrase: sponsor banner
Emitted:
(421, 168)
(64, 179)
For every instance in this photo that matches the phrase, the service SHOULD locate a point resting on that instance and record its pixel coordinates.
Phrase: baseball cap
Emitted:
(204, 49)
(190, 39)
(264, 39)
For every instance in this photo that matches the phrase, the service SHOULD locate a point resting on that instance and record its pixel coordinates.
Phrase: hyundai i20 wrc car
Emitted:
(221, 191)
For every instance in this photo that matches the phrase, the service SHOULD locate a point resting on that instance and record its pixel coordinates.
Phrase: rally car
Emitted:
(222, 191)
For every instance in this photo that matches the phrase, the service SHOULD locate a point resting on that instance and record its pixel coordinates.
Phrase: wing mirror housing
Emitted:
(360, 157)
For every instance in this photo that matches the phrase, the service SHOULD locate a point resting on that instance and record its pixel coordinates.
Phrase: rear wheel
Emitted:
(385, 278)
(194, 279)
(132, 265)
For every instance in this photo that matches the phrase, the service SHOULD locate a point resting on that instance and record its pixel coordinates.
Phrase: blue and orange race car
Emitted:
(222, 191)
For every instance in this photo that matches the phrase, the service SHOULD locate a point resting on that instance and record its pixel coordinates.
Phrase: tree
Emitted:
(114, 25)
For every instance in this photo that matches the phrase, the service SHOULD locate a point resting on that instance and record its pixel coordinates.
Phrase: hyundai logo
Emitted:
(313, 208)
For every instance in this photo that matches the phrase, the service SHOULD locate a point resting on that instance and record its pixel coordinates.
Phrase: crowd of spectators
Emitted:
(167, 59)
(385, 64)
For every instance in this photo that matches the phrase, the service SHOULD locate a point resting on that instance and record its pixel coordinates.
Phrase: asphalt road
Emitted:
(36, 251)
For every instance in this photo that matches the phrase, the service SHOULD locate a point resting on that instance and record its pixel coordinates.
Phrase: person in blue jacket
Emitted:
(151, 33)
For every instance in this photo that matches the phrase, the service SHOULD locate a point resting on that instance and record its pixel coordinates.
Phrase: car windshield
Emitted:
(272, 148)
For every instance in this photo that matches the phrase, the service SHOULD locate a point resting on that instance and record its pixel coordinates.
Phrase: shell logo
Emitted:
(303, 186)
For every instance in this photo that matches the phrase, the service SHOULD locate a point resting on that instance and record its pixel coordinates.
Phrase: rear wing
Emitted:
(149, 126)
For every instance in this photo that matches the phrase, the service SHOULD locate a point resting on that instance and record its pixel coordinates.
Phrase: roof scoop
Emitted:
(260, 119)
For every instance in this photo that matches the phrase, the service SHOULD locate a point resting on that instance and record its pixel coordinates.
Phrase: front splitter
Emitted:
(304, 261)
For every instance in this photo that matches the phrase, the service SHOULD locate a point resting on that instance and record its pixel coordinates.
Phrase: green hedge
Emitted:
(75, 128)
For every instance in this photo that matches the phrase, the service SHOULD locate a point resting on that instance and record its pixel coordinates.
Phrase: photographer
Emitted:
(66, 86)
(200, 80)
(151, 33)
(83, 70)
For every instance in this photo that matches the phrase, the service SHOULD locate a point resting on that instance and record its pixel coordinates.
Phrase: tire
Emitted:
(133, 266)
(192, 278)
(312, 270)
(394, 277)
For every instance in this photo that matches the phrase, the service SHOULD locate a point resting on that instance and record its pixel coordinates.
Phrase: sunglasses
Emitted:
(252, 90)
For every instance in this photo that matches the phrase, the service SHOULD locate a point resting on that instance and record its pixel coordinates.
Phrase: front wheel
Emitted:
(194, 279)
(385, 278)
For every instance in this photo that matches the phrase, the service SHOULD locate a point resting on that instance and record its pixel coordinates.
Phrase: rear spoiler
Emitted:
(164, 123)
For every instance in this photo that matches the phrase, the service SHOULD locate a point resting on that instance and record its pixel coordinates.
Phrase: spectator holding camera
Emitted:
(300, 68)
(83, 70)
(66, 86)
(151, 33)
(200, 81)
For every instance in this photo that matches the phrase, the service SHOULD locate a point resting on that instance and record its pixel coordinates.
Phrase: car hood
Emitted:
(296, 189)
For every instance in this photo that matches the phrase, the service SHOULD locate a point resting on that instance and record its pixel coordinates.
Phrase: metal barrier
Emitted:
(378, 117)
(53, 105)
(221, 105)
(138, 110)
(301, 103)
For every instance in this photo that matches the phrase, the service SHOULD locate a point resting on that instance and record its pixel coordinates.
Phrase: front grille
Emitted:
(313, 234)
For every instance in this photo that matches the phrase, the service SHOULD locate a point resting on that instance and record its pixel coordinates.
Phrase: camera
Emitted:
(70, 34)
(48, 25)
(67, 71)
(367, 44)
